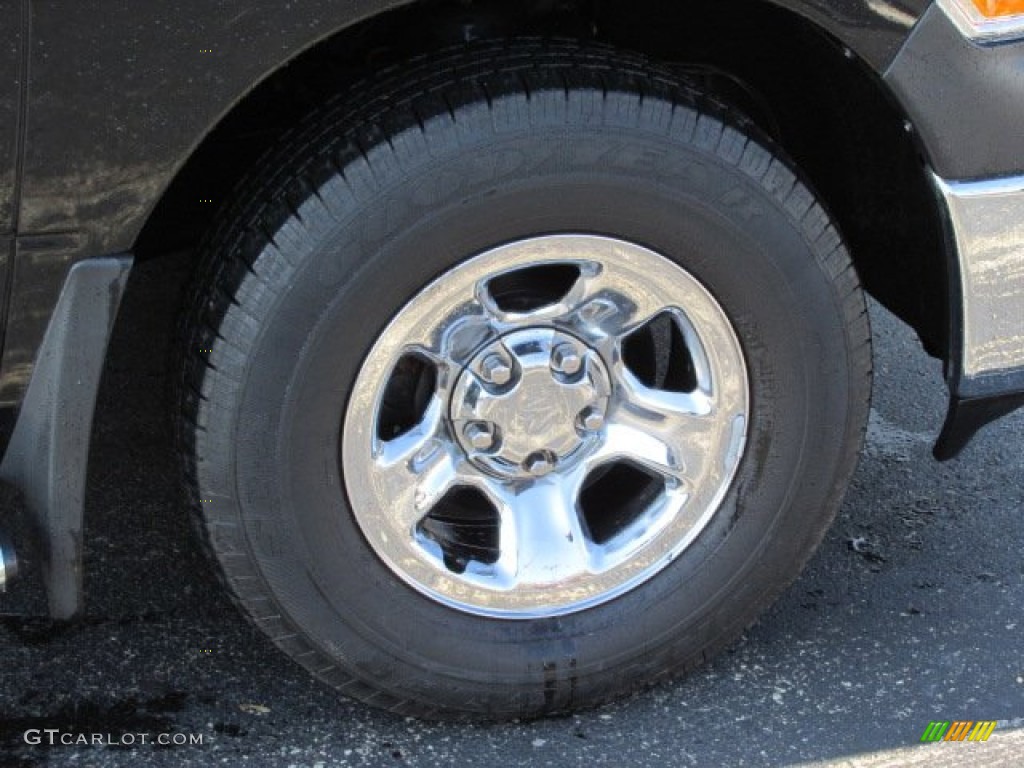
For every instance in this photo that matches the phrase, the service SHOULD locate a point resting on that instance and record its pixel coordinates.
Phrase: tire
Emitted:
(402, 311)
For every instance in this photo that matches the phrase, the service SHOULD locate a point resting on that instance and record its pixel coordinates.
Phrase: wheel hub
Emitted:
(530, 403)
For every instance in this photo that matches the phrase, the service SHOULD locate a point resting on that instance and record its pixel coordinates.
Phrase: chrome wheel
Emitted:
(546, 426)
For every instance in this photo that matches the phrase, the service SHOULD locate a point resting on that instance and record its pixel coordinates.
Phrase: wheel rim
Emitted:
(545, 427)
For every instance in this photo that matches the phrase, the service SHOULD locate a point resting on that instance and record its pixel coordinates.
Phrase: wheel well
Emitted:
(812, 95)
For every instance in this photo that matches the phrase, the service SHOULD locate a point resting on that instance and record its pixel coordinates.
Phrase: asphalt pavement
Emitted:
(912, 611)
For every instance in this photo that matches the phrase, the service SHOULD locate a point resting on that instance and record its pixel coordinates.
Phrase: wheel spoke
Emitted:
(606, 305)
(671, 433)
(418, 468)
(542, 538)
(448, 339)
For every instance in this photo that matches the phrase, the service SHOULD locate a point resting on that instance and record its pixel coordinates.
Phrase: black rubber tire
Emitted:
(399, 180)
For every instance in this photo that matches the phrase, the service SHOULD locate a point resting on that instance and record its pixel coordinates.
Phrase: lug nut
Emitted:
(496, 371)
(592, 419)
(539, 464)
(565, 359)
(480, 435)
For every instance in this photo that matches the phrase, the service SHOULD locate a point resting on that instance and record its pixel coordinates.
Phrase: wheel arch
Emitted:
(857, 149)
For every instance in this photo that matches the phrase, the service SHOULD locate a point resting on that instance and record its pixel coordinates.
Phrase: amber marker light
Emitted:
(987, 21)
(994, 9)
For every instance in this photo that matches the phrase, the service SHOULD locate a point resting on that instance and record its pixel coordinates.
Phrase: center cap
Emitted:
(528, 402)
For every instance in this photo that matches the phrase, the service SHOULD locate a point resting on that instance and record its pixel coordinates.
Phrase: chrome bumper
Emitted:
(987, 226)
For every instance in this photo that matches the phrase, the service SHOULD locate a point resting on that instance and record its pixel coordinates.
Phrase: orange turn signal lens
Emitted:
(986, 21)
(994, 9)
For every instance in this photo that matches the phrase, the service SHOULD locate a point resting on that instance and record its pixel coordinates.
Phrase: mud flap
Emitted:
(48, 453)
